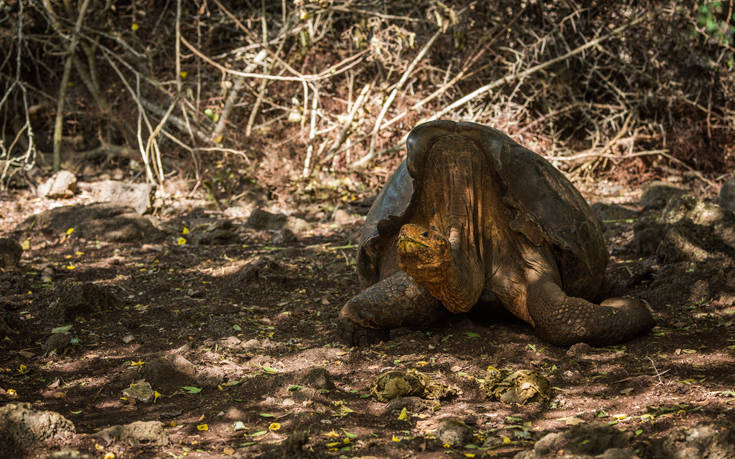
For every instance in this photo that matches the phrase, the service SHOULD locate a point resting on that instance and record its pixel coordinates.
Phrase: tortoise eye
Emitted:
(425, 234)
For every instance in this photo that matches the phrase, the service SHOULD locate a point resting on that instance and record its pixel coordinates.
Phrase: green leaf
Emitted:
(295, 388)
(472, 334)
(239, 425)
(63, 329)
(259, 433)
(349, 435)
(192, 389)
(237, 327)
(267, 415)
(269, 370)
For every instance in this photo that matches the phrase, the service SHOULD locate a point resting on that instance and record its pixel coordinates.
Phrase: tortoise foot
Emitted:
(355, 334)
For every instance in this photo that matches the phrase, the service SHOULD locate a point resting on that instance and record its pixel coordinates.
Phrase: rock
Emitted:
(657, 194)
(704, 440)
(10, 253)
(593, 439)
(135, 195)
(214, 233)
(263, 220)
(283, 236)
(81, 298)
(317, 377)
(727, 195)
(168, 373)
(22, 427)
(454, 432)
(62, 185)
(342, 217)
(647, 238)
(579, 349)
(140, 390)
(138, 433)
(56, 343)
(100, 221)
(413, 404)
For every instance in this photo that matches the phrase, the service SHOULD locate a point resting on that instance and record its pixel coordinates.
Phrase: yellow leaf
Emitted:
(12, 392)
(506, 440)
(134, 26)
(469, 454)
(331, 434)
(185, 230)
(156, 396)
(181, 241)
(274, 426)
(99, 447)
(26, 245)
(137, 364)
(421, 363)
(183, 74)
(396, 439)
(70, 230)
(404, 415)
(22, 368)
(334, 444)
(71, 266)
(109, 456)
(202, 427)
(446, 445)
(172, 424)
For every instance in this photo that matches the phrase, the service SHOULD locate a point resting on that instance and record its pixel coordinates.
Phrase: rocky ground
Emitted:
(206, 331)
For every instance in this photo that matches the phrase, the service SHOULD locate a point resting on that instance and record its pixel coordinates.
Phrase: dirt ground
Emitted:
(233, 327)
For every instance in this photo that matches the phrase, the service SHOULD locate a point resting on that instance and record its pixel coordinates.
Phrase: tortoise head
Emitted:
(423, 253)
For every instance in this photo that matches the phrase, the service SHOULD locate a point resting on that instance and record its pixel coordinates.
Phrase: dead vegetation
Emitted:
(285, 90)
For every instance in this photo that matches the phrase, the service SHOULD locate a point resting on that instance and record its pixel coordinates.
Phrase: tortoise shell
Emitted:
(534, 190)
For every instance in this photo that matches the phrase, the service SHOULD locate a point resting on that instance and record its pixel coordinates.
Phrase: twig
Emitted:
(227, 109)
(312, 133)
(332, 71)
(488, 87)
(59, 122)
(374, 135)
(346, 125)
(658, 374)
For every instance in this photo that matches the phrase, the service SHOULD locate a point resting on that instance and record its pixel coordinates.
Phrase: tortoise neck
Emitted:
(460, 285)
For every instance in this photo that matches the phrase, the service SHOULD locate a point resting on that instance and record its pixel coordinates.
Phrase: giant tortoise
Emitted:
(469, 214)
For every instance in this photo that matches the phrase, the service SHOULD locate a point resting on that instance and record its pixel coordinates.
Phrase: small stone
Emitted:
(657, 194)
(10, 252)
(135, 195)
(251, 344)
(454, 432)
(139, 390)
(283, 236)
(56, 343)
(62, 185)
(727, 195)
(342, 217)
(579, 349)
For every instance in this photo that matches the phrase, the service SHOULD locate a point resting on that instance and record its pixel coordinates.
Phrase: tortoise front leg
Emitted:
(566, 320)
(396, 301)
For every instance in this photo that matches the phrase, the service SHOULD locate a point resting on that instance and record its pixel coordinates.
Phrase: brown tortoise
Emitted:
(471, 214)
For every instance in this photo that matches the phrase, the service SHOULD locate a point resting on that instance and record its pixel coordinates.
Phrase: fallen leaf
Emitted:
(202, 427)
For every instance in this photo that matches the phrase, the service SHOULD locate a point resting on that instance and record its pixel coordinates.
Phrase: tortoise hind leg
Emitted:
(566, 320)
(395, 301)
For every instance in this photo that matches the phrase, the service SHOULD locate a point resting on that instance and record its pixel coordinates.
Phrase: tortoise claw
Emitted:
(354, 334)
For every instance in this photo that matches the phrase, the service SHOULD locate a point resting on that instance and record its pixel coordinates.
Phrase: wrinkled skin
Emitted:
(472, 214)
